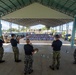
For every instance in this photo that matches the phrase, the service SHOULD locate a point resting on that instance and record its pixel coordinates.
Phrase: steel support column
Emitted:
(67, 28)
(58, 28)
(73, 32)
(19, 28)
(62, 28)
(10, 27)
(55, 28)
(0, 28)
(23, 28)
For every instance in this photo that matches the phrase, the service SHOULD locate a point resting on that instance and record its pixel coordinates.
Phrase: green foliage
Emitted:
(15, 29)
(12, 29)
(53, 31)
(44, 28)
(63, 34)
(23, 29)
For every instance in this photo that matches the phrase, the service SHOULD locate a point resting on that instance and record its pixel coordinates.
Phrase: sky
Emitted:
(39, 26)
(6, 25)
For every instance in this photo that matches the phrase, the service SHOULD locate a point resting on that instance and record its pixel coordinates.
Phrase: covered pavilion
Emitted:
(30, 12)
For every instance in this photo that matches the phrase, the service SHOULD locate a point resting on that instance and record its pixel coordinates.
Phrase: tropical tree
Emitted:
(23, 29)
(44, 28)
(12, 29)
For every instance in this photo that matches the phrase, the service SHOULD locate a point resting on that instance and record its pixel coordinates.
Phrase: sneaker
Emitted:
(2, 61)
(51, 67)
(30, 71)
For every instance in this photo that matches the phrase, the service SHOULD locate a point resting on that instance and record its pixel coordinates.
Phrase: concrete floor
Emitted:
(42, 60)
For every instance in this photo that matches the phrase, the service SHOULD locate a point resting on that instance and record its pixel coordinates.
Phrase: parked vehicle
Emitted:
(67, 37)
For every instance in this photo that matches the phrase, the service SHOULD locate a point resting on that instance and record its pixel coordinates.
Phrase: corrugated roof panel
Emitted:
(64, 6)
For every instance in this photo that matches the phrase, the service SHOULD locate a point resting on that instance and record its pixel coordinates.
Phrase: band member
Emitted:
(14, 43)
(29, 51)
(56, 52)
(1, 51)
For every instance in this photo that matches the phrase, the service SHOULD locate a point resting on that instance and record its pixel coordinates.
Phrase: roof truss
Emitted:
(31, 22)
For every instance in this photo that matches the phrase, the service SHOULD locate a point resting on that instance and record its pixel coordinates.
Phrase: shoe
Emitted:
(57, 68)
(17, 60)
(2, 61)
(25, 73)
(74, 62)
(30, 71)
(51, 67)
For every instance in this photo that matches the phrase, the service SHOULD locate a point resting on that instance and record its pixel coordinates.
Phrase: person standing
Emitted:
(14, 43)
(1, 51)
(56, 52)
(29, 51)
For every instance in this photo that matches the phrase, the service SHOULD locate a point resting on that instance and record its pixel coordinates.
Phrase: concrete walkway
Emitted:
(42, 60)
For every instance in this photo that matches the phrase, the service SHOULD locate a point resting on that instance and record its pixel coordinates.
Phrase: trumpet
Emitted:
(36, 50)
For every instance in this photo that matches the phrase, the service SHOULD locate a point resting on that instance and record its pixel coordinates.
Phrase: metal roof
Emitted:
(47, 22)
(64, 6)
